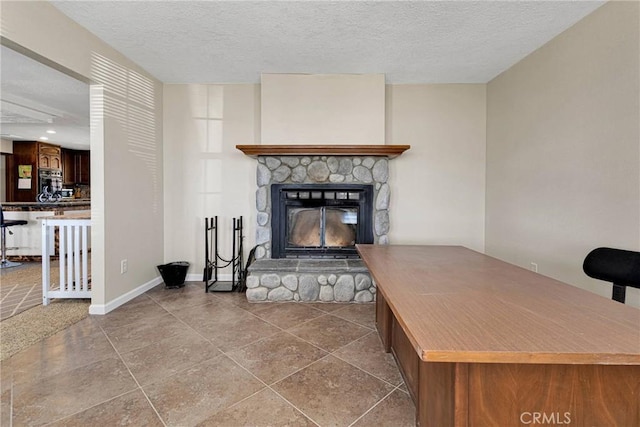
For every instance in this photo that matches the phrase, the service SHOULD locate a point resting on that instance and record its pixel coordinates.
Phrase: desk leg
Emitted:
(443, 395)
(384, 319)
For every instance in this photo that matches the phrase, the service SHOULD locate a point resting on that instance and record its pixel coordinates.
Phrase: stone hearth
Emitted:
(326, 280)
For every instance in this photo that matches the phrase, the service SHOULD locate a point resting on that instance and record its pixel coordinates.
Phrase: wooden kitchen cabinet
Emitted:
(36, 154)
(83, 171)
(68, 167)
(49, 156)
(76, 167)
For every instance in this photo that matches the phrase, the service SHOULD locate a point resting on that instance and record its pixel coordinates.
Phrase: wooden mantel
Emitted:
(323, 150)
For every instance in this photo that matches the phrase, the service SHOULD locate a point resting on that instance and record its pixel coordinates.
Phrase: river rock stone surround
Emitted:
(324, 280)
(308, 280)
(321, 170)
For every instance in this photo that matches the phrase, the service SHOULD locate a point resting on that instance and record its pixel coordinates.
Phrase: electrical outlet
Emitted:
(124, 265)
(534, 267)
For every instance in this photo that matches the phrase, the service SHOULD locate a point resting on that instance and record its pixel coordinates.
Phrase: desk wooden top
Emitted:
(457, 305)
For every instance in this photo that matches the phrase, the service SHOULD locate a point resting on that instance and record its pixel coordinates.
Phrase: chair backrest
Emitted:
(614, 265)
(618, 266)
(1, 215)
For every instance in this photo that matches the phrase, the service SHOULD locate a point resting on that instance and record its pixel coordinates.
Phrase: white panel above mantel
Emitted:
(323, 109)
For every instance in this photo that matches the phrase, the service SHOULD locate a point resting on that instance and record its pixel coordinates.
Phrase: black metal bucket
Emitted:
(174, 273)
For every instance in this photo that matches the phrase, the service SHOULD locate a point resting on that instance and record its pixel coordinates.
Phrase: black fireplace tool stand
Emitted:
(214, 262)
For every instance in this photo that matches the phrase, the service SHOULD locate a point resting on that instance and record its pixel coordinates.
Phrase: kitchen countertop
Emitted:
(66, 215)
(65, 205)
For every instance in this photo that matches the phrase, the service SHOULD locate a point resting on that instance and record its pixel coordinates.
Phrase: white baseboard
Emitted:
(122, 299)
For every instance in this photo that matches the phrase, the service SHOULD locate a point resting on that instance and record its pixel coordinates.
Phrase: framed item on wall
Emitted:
(24, 177)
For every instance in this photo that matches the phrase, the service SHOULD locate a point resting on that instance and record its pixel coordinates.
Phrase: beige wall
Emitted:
(205, 175)
(126, 143)
(438, 186)
(6, 146)
(563, 150)
(323, 108)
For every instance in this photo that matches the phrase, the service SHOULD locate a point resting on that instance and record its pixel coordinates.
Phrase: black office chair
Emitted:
(618, 266)
(5, 263)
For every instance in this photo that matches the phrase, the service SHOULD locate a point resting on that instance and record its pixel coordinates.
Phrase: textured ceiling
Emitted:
(409, 42)
(236, 41)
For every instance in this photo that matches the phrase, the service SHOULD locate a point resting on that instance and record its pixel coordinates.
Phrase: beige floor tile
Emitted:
(6, 375)
(11, 300)
(157, 292)
(135, 305)
(145, 331)
(276, 357)
(11, 307)
(329, 332)
(5, 408)
(131, 409)
(11, 294)
(396, 410)
(176, 299)
(141, 308)
(59, 354)
(264, 409)
(20, 288)
(171, 340)
(193, 395)
(168, 356)
(327, 307)
(332, 392)
(240, 300)
(5, 314)
(6, 288)
(85, 327)
(226, 325)
(362, 314)
(161, 291)
(288, 315)
(368, 354)
(404, 387)
(235, 332)
(213, 312)
(69, 392)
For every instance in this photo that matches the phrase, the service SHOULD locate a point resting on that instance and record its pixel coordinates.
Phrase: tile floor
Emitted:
(180, 357)
(20, 288)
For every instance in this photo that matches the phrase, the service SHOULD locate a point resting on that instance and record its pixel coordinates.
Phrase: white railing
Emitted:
(73, 258)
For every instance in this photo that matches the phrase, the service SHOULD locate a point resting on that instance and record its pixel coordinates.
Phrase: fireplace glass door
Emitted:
(322, 227)
(320, 221)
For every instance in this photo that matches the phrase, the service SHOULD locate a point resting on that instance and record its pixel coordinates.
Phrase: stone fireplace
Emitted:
(311, 212)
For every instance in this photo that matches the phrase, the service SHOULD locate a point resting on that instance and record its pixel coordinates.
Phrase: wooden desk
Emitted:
(481, 342)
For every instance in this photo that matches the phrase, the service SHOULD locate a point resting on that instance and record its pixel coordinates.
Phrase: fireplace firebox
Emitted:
(320, 220)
